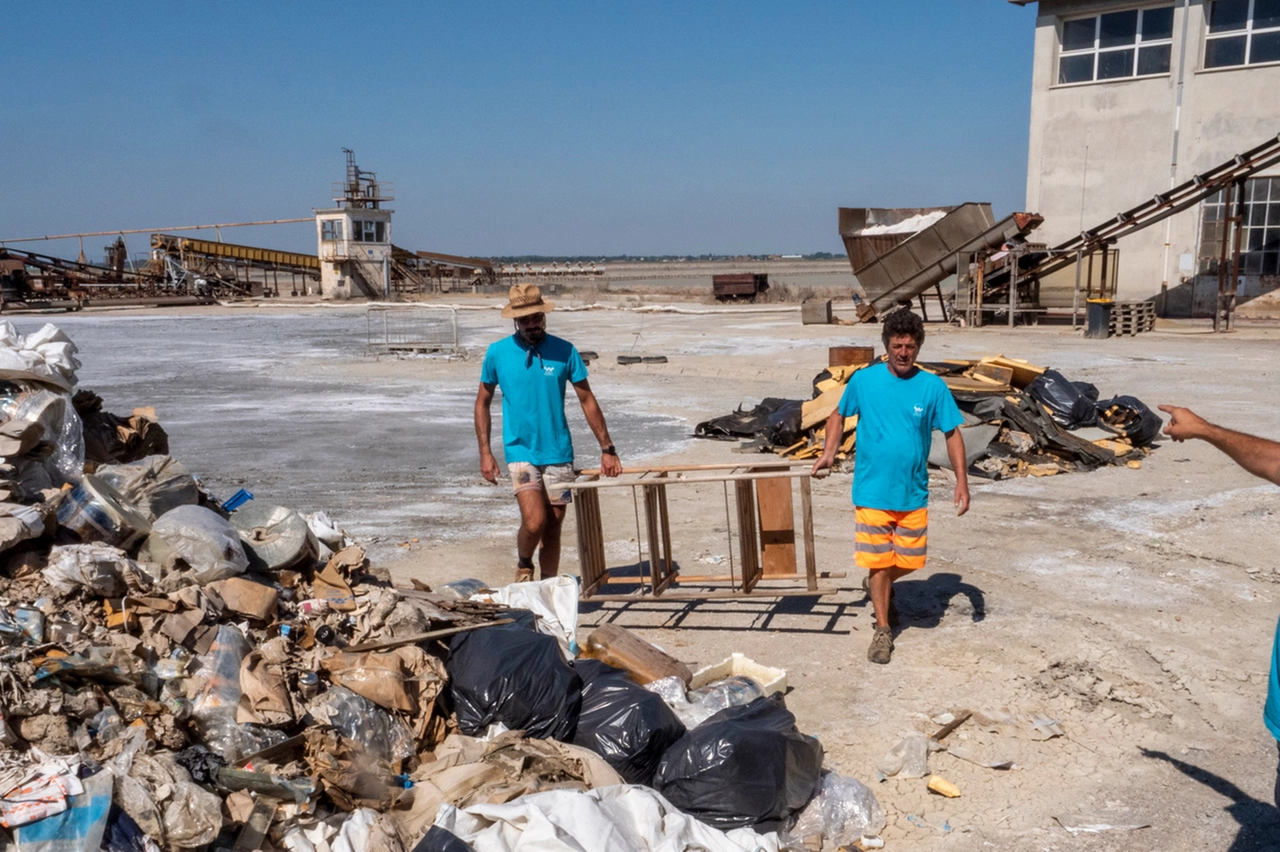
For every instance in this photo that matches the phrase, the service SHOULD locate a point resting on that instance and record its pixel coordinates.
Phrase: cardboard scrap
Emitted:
(330, 584)
(246, 598)
(264, 693)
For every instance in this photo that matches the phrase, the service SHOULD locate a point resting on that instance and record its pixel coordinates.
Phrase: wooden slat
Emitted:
(591, 559)
(777, 526)
(810, 557)
(762, 592)
(748, 540)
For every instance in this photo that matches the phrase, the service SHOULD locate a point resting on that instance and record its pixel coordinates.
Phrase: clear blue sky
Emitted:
(512, 127)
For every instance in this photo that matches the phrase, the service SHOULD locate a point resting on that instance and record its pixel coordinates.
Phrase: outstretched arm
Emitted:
(610, 465)
(484, 425)
(955, 452)
(1259, 456)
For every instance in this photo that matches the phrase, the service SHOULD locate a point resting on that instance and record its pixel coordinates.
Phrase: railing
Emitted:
(399, 330)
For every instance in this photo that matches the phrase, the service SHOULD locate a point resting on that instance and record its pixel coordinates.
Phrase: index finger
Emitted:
(1168, 408)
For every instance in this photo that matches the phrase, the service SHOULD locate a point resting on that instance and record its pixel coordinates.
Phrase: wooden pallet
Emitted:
(1132, 318)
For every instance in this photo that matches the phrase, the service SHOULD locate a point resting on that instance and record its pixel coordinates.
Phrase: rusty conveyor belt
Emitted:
(920, 263)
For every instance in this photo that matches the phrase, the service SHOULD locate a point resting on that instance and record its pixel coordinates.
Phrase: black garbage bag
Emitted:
(1089, 389)
(746, 765)
(516, 677)
(741, 423)
(626, 724)
(1069, 407)
(1129, 417)
(439, 839)
(784, 424)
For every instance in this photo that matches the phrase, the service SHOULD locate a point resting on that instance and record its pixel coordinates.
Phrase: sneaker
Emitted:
(893, 607)
(881, 646)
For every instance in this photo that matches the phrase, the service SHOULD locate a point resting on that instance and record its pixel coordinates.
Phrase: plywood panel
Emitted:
(777, 526)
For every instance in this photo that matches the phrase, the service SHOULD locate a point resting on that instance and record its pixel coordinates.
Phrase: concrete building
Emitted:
(355, 237)
(1131, 98)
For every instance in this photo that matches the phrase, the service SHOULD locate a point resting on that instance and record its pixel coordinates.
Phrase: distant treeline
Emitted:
(651, 258)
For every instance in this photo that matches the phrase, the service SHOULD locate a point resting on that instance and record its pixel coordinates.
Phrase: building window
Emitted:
(368, 232)
(1117, 45)
(1242, 32)
(1260, 240)
(330, 230)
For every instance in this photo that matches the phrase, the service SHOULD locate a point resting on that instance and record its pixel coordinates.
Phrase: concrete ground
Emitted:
(1134, 608)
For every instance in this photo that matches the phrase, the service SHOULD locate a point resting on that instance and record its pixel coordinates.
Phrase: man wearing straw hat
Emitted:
(532, 367)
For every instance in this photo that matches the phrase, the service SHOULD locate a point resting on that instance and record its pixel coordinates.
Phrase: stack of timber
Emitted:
(1030, 438)
(1132, 318)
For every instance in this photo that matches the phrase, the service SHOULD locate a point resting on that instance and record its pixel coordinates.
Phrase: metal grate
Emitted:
(411, 330)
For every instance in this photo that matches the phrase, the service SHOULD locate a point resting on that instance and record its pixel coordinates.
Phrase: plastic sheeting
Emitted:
(52, 409)
(46, 355)
(155, 484)
(554, 600)
(606, 819)
(201, 538)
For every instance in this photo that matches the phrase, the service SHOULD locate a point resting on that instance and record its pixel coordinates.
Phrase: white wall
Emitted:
(1099, 148)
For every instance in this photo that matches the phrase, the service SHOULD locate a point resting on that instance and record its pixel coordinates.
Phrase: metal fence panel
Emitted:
(411, 329)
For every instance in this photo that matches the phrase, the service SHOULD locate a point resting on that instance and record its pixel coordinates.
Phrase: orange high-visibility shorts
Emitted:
(890, 539)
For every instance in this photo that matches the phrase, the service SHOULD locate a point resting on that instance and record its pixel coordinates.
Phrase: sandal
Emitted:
(524, 575)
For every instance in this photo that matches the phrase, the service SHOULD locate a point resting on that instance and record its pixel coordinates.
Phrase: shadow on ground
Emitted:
(924, 603)
(1259, 821)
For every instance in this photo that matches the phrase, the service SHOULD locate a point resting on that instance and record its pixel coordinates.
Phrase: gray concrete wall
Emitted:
(1099, 148)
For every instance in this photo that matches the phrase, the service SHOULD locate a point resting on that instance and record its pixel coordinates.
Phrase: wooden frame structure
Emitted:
(762, 511)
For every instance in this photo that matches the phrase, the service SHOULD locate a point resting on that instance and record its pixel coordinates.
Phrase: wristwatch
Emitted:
(609, 451)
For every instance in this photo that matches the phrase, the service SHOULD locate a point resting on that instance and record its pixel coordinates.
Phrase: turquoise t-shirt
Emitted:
(1272, 712)
(896, 419)
(534, 428)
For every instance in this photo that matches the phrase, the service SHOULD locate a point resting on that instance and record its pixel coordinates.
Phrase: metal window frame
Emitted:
(1218, 204)
(1248, 33)
(1096, 50)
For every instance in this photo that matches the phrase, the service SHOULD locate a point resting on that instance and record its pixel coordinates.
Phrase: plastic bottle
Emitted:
(622, 649)
(461, 589)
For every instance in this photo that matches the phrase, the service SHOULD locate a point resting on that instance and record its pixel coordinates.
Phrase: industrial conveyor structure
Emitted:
(912, 264)
(1000, 270)
(29, 280)
(228, 269)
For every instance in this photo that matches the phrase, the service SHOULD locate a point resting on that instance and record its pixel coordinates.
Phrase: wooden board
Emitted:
(1023, 372)
(777, 526)
(816, 411)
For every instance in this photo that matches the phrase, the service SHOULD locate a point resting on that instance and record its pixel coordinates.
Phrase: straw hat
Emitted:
(525, 299)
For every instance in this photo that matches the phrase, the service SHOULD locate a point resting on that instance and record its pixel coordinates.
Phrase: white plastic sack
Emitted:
(202, 538)
(605, 819)
(47, 355)
(155, 484)
(100, 568)
(327, 532)
(554, 600)
(76, 829)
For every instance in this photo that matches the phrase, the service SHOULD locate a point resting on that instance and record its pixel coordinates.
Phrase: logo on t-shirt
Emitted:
(549, 370)
(918, 411)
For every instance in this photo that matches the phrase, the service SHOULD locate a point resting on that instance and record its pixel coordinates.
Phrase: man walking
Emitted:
(531, 368)
(898, 406)
(1261, 458)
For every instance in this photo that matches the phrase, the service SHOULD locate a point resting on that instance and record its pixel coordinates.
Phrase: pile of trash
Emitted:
(1020, 420)
(184, 673)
